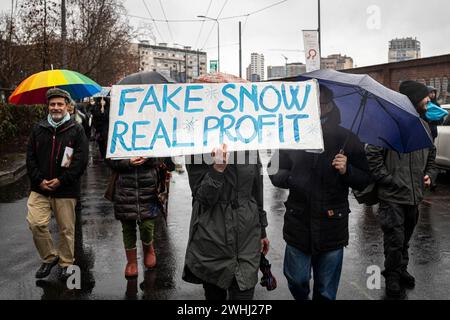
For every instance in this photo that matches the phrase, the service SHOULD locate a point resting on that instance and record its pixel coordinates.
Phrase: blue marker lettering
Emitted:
(255, 130)
(158, 135)
(253, 96)
(138, 136)
(261, 99)
(207, 128)
(124, 100)
(224, 128)
(175, 143)
(119, 135)
(261, 124)
(167, 98)
(188, 98)
(230, 96)
(294, 95)
(295, 118)
(154, 100)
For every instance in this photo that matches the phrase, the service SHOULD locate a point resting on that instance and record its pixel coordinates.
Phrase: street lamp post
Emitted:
(218, 39)
(285, 64)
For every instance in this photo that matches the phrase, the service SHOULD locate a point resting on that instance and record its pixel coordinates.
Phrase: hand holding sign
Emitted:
(137, 161)
(340, 163)
(220, 156)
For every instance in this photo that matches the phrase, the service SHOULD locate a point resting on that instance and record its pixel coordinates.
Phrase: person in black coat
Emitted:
(100, 121)
(317, 209)
(136, 203)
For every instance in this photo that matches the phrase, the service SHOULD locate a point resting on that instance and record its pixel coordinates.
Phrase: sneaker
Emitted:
(46, 268)
(394, 289)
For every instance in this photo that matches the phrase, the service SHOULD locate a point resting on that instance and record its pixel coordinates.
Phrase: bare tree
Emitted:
(98, 40)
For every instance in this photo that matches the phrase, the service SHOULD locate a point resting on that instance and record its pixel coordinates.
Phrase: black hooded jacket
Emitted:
(317, 208)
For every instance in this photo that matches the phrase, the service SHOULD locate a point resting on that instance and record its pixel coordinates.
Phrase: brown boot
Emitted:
(131, 270)
(149, 255)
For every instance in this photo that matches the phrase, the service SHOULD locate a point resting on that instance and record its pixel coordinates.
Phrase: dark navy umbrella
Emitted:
(378, 115)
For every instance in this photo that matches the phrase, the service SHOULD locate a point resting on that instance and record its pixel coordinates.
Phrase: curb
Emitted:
(19, 169)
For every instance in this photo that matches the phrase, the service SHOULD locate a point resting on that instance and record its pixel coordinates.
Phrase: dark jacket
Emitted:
(135, 192)
(317, 208)
(100, 122)
(80, 118)
(399, 176)
(227, 224)
(46, 147)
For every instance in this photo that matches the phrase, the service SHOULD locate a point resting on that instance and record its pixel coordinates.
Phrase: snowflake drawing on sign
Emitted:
(189, 125)
(312, 129)
(212, 93)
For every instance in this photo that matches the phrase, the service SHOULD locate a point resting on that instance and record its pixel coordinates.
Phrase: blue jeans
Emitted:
(326, 269)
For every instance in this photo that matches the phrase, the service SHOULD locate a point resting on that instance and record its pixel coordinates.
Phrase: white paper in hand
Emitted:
(67, 157)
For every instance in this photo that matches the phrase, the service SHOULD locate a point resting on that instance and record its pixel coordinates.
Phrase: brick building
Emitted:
(434, 71)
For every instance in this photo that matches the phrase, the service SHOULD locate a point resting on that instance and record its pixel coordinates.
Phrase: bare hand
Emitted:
(137, 161)
(53, 184)
(44, 185)
(340, 163)
(427, 181)
(265, 246)
(220, 156)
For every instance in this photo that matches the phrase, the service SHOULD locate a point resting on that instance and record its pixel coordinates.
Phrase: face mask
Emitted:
(434, 112)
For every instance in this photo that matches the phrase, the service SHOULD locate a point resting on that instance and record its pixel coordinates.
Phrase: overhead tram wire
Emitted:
(154, 21)
(254, 12)
(203, 23)
(167, 21)
(209, 34)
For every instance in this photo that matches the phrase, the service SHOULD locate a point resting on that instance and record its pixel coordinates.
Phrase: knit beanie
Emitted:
(414, 90)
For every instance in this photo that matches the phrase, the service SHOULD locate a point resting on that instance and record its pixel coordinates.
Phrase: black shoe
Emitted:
(407, 280)
(394, 289)
(64, 275)
(45, 269)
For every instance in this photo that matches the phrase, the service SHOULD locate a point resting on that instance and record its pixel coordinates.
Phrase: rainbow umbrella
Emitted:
(32, 90)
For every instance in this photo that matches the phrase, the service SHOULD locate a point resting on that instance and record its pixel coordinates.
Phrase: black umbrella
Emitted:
(267, 280)
(153, 77)
(149, 77)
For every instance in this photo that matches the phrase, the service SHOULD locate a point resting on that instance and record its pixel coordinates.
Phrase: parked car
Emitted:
(443, 142)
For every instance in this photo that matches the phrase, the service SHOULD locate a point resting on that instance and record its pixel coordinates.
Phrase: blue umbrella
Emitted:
(378, 115)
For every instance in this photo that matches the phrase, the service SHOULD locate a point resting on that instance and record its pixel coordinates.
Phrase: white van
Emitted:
(443, 142)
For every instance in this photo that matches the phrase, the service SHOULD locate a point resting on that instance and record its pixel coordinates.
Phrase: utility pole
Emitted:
(44, 58)
(240, 50)
(63, 34)
(218, 39)
(319, 28)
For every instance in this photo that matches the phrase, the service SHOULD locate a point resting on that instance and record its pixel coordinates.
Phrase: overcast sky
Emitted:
(349, 27)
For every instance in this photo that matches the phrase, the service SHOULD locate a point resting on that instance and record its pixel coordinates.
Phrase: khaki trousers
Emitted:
(40, 209)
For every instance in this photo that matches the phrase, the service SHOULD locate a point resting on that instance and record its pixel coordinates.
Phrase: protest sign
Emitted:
(182, 119)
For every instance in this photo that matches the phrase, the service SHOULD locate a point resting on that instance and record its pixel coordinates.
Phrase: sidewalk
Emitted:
(12, 168)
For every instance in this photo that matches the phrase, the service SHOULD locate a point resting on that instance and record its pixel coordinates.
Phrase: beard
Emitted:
(57, 116)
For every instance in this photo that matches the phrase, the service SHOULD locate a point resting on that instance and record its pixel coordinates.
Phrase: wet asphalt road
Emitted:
(100, 254)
